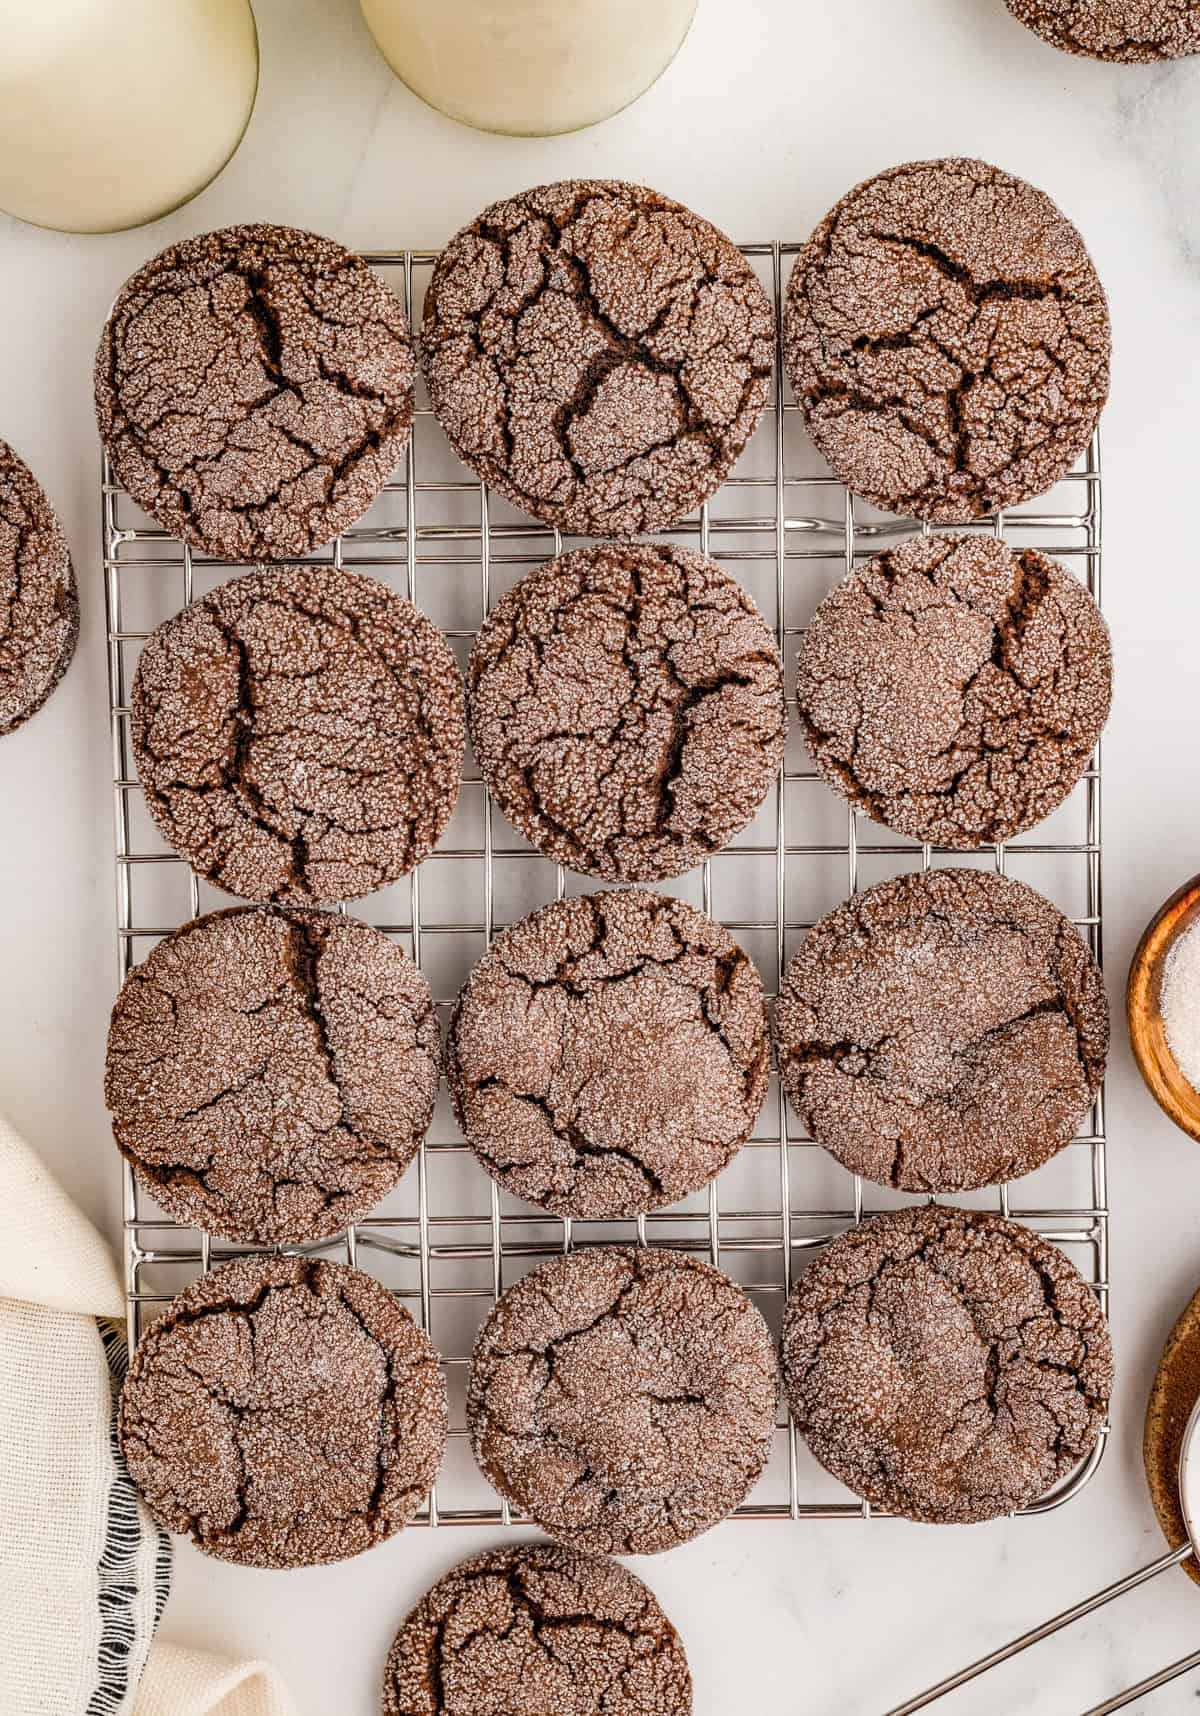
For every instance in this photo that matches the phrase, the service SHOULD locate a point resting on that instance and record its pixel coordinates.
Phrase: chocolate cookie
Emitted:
(254, 389)
(270, 1074)
(954, 689)
(1134, 31)
(1174, 1393)
(625, 1398)
(284, 1412)
(942, 1031)
(946, 1365)
(299, 734)
(609, 1054)
(948, 340)
(627, 709)
(39, 604)
(598, 354)
(537, 1630)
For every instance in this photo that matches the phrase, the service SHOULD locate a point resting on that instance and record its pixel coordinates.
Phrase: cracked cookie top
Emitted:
(284, 1412)
(946, 1365)
(271, 1073)
(39, 603)
(627, 709)
(942, 1031)
(948, 340)
(254, 389)
(609, 1054)
(1133, 31)
(954, 689)
(623, 1397)
(598, 354)
(299, 734)
(538, 1630)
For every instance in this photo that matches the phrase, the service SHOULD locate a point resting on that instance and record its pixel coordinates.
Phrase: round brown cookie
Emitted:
(598, 354)
(538, 1630)
(1175, 1391)
(284, 1412)
(627, 709)
(954, 689)
(270, 1074)
(948, 340)
(623, 1397)
(39, 604)
(254, 389)
(609, 1055)
(299, 734)
(942, 1031)
(946, 1365)
(1133, 31)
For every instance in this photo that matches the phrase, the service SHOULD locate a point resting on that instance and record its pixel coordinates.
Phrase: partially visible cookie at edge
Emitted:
(946, 1365)
(284, 1412)
(271, 1073)
(537, 1630)
(948, 340)
(609, 1054)
(597, 353)
(627, 709)
(942, 1031)
(299, 734)
(254, 389)
(39, 602)
(1174, 1393)
(623, 1397)
(1133, 32)
(954, 689)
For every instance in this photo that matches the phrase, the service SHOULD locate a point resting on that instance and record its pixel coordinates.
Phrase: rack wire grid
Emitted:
(447, 1241)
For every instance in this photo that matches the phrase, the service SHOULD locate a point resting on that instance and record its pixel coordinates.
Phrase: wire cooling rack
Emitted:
(447, 1241)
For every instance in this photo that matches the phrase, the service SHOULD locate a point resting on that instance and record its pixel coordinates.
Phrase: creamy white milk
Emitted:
(114, 111)
(528, 66)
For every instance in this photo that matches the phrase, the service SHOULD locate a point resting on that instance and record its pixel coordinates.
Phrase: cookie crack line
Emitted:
(698, 1375)
(948, 339)
(234, 407)
(597, 353)
(629, 993)
(1023, 1391)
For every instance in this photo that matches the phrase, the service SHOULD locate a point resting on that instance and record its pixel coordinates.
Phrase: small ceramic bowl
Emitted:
(1143, 1007)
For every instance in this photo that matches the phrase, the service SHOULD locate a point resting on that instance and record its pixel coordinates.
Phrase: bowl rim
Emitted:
(1160, 1071)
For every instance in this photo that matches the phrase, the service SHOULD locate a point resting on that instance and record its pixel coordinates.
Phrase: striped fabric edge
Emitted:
(132, 1587)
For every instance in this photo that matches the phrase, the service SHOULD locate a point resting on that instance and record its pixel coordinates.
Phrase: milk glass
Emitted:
(531, 67)
(113, 112)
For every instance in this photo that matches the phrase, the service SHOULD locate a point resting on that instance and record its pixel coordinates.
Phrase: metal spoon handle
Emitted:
(1036, 1634)
(1150, 1684)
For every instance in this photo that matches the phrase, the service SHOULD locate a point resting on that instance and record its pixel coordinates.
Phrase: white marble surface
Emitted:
(773, 108)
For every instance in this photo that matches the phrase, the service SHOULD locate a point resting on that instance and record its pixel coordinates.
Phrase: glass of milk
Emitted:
(113, 112)
(531, 67)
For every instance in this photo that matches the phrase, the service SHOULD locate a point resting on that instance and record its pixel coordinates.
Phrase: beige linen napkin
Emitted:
(84, 1571)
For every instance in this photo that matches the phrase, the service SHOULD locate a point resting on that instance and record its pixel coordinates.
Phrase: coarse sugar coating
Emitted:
(598, 354)
(537, 1630)
(627, 709)
(946, 1365)
(609, 1054)
(948, 340)
(623, 1397)
(299, 734)
(254, 389)
(942, 1031)
(271, 1073)
(1131, 31)
(954, 689)
(39, 603)
(284, 1412)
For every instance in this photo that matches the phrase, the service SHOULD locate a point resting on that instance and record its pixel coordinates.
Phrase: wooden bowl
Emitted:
(1143, 1007)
